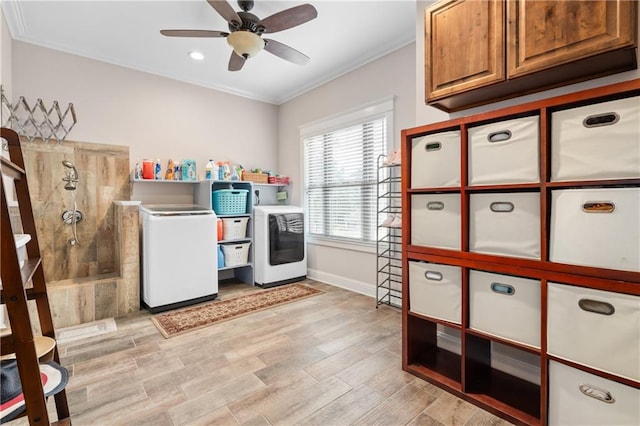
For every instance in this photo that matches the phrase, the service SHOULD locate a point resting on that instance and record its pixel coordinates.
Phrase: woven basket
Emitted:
(255, 177)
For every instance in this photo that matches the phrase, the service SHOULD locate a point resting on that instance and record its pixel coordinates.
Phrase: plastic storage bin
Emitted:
(580, 398)
(436, 291)
(596, 328)
(230, 201)
(435, 220)
(597, 227)
(599, 141)
(235, 228)
(505, 306)
(435, 160)
(235, 254)
(505, 152)
(505, 224)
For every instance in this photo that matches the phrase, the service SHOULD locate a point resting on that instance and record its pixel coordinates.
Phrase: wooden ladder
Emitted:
(15, 294)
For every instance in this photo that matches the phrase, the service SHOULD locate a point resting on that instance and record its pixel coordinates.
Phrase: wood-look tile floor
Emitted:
(332, 359)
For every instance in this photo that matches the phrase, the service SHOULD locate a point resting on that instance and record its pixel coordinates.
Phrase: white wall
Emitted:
(391, 75)
(155, 116)
(5, 57)
(5, 81)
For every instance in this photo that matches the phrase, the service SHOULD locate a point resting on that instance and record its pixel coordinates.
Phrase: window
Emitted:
(340, 170)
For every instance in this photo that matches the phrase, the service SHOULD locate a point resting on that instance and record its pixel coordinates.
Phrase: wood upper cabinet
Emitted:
(465, 46)
(482, 51)
(543, 34)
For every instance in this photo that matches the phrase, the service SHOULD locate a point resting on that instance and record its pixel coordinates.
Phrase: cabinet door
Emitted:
(544, 34)
(464, 46)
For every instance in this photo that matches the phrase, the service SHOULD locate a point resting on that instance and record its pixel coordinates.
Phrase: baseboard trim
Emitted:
(342, 282)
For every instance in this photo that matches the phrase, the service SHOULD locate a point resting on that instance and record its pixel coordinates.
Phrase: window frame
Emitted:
(383, 108)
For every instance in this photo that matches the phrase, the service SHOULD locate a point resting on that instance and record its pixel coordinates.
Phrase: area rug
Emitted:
(184, 320)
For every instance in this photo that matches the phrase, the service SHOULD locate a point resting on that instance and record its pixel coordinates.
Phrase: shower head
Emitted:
(70, 165)
(72, 177)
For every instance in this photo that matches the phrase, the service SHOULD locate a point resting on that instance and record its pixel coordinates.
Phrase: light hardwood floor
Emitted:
(332, 359)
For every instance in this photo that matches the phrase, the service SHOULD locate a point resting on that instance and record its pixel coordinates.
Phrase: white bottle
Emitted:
(209, 170)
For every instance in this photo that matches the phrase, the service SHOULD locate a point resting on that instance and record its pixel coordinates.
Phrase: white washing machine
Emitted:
(179, 255)
(280, 255)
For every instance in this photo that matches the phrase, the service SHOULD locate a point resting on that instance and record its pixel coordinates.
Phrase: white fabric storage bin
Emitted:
(505, 306)
(505, 224)
(596, 328)
(599, 141)
(596, 227)
(505, 152)
(435, 160)
(580, 398)
(435, 220)
(436, 291)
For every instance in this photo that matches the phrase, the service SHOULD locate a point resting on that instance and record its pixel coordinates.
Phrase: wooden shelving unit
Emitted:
(16, 292)
(452, 250)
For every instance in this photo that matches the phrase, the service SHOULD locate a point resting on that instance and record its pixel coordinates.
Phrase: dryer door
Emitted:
(286, 238)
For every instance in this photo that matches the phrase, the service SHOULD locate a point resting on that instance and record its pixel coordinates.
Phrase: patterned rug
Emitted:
(184, 320)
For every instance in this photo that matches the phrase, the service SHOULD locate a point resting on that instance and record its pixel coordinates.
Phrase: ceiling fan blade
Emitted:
(193, 33)
(226, 11)
(285, 52)
(289, 18)
(236, 61)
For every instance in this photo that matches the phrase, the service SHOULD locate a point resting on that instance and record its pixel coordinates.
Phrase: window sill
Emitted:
(342, 244)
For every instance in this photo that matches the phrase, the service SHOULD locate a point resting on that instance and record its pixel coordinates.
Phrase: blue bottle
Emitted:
(158, 169)
(220, 257)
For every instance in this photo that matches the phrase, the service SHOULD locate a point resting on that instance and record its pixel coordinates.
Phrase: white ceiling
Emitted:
(344, 36)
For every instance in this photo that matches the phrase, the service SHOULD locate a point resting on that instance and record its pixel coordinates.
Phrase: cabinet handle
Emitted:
(505, 289)
(502, 207)
(435, 205)
(501, 136)
(597, 393)
(598, 120)
(598, 207)
(433, 276)
(433, 146)
(596, 306)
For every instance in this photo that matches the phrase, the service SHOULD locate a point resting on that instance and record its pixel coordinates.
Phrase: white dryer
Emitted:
(280, 252)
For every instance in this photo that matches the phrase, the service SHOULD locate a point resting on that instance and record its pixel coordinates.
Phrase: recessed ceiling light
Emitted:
(196, 56)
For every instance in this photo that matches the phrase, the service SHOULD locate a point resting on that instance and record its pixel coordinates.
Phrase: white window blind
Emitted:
(340, 167)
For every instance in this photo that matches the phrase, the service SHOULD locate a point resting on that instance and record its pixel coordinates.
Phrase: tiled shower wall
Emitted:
(99, 278)
(104, 177)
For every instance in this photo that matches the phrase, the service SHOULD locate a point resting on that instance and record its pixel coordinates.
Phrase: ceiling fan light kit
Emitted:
(245, 43)
(246, 29)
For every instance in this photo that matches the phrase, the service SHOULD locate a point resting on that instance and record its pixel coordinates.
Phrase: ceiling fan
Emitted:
(246, 29)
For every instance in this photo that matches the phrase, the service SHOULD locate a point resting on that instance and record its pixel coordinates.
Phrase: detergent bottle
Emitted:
(226, 171)
(220, 257)
(208, 171)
